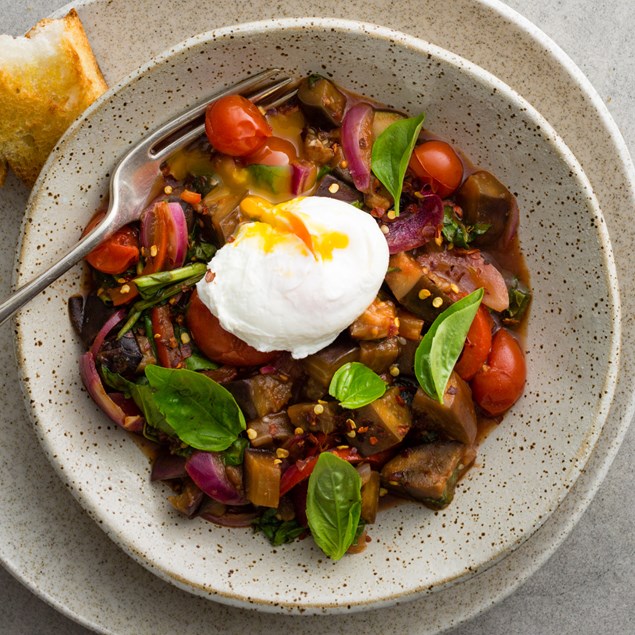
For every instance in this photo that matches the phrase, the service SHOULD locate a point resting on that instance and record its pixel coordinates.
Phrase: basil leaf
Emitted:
(457, 233)
(235, 453)
(441, 346)
(278, 531)
(275, 178)
(333, 504)
(519, 300)
(143, 395)
(198, 362)
(202, 413)
(391, 154)
(355, 385)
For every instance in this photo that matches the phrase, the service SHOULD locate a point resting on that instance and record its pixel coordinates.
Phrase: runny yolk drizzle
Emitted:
(281, 219)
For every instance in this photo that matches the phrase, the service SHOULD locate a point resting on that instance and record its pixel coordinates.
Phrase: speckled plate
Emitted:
(525, 467)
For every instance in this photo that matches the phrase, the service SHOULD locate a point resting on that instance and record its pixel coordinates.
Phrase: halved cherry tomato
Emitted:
(167, 346)
(274, 151)
(296, 473)
(217, 343)
(117, 253)
(437, 165)
(499, 383)
(477, 345)
(235, 126)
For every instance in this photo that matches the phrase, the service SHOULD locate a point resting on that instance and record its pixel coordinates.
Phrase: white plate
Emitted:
(571, 507)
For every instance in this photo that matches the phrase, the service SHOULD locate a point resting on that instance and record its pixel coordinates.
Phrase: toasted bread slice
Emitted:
(47, 78)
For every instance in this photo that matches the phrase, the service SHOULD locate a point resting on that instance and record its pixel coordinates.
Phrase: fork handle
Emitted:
(27, 292)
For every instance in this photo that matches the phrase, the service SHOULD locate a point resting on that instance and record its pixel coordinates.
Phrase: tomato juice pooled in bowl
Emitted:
(321, 307)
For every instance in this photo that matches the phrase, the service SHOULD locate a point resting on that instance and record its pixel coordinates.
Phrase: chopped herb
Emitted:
(278, 531)
(457, 233)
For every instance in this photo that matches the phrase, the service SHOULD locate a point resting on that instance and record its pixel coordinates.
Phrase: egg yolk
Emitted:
(278, 220)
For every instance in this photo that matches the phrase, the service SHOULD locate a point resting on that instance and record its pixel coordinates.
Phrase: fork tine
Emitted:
(253, 82)
(275, 89)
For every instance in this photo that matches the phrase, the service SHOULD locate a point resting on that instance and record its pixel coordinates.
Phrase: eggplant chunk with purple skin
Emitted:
(455, 417)
(486, 201)
(381, 424)
(322, 103)
(428, 473)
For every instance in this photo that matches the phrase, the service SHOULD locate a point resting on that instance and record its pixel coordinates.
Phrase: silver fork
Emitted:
(135, 174)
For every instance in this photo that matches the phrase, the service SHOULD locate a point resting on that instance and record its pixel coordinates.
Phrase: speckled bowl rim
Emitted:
(623, 148)
(479, 75)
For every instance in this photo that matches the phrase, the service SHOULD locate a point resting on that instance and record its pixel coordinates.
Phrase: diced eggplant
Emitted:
(221, 214)
(384, 118)
(321, 366)
(413, 288)
(262, 477)
(381, 424)
(260, 395)
(121, 355)
(455, 417)
(406, 359)
(486, 201)
(147, 352)
(76, 312)
(270, 430)
(378, 198)
(96, 313)
(188, 500)
(323, 417)
(410, 326)
(378, 321)
(379, 355)
(319, 146)
(332, 187)
(322, 103)
(427, 473)
(370, 497)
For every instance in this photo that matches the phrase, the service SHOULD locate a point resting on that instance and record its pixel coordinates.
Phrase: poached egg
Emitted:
(297, 274)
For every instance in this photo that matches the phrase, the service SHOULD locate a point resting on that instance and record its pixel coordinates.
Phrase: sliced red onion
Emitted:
(207, 470)
(95, 388)
(357, 127)
(468, 271)
(108, 326)
(218, 514)
(416, 228)
(303, 175)
(177, 232)
(168, 466)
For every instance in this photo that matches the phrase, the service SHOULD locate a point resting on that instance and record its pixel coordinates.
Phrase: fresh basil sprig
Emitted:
(333, 504)
(143, 395)
(391, 154)
(441, 346)
(355, 385)
(202, 413)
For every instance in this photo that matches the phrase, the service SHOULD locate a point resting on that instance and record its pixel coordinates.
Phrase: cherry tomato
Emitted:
(235, 126)
(499, 383)
(274, 151)
(217, 343)
(168, 350)
(115, 254)
(477, 345)
(437, 165)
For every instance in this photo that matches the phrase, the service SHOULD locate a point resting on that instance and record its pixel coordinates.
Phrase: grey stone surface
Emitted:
(588, 586)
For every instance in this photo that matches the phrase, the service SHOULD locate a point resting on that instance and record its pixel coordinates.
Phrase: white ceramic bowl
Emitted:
(526, 465)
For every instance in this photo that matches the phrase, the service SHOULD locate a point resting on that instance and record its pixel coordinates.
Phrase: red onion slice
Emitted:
(357, 143)
(416, 228)
(109, 324)
(176, 229)
(303, 175)
(207, 470)
(95, 388)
